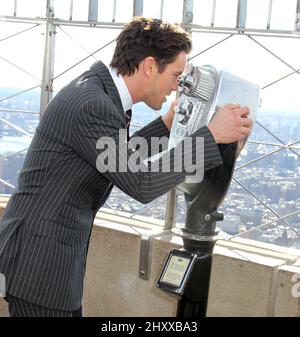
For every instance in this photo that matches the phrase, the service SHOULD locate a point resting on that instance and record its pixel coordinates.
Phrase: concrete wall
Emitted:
(248, 284)
(248, 278)
(112, 284)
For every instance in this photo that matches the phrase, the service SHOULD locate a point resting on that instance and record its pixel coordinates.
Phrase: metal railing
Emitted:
(53, 25)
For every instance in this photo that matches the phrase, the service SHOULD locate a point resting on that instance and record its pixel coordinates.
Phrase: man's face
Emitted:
(162, 84)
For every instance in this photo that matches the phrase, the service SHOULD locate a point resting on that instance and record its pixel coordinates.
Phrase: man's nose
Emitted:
(175, 85)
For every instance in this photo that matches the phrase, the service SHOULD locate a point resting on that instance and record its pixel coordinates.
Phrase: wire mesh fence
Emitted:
(264, 198)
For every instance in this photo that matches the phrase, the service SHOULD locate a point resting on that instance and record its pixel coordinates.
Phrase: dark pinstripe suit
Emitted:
(45, 231)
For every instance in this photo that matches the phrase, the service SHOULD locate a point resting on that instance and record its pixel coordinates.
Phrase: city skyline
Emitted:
(273, 179)
(261, 59)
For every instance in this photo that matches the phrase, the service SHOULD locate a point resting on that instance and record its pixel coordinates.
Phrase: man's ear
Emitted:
(149, 65)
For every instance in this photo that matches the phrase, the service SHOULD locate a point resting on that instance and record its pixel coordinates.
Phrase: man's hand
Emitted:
(168, 117)
(230, 124)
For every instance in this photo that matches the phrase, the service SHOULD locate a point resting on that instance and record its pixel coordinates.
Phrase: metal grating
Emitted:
(204, 20)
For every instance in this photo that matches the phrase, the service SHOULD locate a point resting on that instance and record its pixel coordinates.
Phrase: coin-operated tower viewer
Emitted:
(186, 273)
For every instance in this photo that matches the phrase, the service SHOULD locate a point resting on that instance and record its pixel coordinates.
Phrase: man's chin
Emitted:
(155, 107)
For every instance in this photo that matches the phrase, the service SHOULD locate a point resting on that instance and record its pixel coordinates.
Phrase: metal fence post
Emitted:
(138, 7)
(93, 10)
(187, 18)
(170, 210)
(241, 14)
(49, 55)
(297, 24)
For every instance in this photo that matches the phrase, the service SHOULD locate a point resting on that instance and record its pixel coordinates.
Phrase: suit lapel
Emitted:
(109, 86)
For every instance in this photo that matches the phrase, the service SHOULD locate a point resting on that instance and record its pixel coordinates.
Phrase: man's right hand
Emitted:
(230, 124)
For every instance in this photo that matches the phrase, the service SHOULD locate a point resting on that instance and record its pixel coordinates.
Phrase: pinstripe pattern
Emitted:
(45, 231)
(21, 308)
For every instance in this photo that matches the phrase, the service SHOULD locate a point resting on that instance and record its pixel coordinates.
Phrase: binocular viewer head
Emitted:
(201, 91)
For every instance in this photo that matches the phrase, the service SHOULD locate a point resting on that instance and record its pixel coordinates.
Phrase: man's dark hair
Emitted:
(145, 37)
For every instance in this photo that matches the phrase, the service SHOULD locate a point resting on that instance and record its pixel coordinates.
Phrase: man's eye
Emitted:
(179, 78)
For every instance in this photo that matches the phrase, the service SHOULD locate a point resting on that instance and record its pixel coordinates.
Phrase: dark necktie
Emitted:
(128, 119)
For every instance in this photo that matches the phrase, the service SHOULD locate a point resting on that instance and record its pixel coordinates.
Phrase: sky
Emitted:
(239, 54)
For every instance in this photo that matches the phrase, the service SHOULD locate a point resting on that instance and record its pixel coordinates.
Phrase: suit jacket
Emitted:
(45, 231)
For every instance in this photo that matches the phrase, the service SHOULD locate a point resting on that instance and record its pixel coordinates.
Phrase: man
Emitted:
(45, 231)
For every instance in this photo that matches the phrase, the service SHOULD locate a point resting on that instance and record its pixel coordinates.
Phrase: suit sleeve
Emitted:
(154, 129)
(97, 139)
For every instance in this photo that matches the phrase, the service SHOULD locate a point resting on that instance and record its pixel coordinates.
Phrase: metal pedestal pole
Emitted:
(193, 302)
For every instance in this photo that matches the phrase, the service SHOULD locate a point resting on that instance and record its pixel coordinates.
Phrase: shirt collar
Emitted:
(122, 89)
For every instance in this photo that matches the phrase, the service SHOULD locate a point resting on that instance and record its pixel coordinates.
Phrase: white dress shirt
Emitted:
(122, 89)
